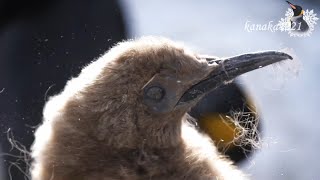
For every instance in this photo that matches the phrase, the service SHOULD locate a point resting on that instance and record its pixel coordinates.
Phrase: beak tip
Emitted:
(287, 56)
(231, 68)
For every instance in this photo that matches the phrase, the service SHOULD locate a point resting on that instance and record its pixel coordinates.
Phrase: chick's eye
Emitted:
(155, 93)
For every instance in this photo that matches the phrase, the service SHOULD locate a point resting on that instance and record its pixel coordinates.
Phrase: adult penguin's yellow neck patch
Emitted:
(220, 128)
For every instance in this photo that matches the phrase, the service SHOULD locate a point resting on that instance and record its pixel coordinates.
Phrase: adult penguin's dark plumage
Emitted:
(124, 117)
(297, 21)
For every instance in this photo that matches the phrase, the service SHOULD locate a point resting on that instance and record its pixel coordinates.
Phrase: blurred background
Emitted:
(44, 43)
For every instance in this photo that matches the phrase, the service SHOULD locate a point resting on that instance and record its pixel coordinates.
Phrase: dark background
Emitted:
(42, 45)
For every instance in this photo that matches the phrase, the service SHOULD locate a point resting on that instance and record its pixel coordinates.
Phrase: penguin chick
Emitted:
(124, 116)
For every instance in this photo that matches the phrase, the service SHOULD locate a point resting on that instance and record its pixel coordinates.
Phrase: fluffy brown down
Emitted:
(98, 128)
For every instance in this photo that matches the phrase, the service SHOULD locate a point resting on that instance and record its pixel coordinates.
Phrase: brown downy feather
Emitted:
(98, 128)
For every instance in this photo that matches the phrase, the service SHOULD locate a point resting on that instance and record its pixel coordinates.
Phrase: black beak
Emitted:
(227, 69)
(292, 6)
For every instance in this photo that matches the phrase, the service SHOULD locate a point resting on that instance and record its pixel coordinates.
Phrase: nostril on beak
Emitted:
(213, 61)
(218, 61)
